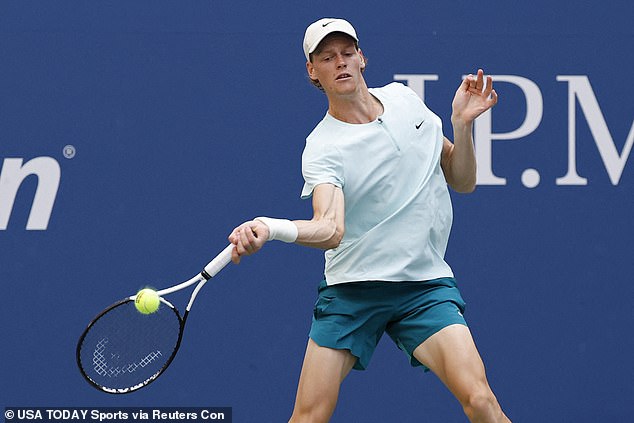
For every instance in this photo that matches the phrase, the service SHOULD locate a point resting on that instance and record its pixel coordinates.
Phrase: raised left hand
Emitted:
(473, 98)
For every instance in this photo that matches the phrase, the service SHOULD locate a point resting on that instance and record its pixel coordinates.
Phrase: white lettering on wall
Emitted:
(579, 90)
(13, 173)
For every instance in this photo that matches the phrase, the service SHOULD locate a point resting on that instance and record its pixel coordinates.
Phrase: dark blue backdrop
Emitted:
(168, 123)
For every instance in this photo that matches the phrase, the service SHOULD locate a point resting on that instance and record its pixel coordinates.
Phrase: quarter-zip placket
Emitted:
(381, 122)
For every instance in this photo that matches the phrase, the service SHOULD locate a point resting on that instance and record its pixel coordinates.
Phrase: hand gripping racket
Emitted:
(123, 350)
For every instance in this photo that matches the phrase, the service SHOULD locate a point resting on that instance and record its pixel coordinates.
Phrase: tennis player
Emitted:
(377, 168)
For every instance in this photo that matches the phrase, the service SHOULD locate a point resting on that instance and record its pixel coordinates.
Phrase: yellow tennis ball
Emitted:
(147, 301)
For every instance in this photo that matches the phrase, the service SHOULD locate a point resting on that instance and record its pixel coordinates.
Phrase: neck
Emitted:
(359, 107)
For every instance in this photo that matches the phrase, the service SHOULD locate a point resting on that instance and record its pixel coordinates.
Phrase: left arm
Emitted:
(458, 159)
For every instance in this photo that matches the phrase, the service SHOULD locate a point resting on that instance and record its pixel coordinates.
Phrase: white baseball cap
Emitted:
(317, 31)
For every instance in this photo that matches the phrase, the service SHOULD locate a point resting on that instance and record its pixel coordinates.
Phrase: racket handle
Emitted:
(218, 263)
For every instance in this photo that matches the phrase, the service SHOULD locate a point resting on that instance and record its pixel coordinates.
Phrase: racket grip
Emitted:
(218, 263)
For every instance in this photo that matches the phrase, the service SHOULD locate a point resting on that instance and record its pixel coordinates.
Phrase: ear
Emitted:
(362, 59)
(310, 69)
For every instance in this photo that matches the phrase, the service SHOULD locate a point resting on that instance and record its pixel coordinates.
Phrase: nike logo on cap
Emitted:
(326, 24)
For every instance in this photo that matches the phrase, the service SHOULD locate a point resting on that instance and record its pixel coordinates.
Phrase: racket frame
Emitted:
(209, 271)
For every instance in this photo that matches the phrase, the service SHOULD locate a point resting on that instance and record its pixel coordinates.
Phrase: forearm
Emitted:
(318, 233)
(473, 97)
(461, 161)
(325, 230)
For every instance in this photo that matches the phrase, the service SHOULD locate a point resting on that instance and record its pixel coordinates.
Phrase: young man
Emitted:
(377, 167)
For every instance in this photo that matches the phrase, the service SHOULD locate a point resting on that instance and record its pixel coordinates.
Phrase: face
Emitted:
(337, 64)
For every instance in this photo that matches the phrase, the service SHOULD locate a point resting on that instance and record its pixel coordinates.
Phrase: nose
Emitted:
(341, 63)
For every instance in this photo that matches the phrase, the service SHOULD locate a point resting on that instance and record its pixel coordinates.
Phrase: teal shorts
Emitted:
(354, 316)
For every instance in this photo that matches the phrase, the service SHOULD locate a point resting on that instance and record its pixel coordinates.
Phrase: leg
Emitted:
(322, 373)
(452, 355)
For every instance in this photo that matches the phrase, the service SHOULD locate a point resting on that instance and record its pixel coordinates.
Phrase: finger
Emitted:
(488, 87)
(494, 98)
(251, 240)
(254, 230)
(465, 84)
(235, 257)
(246, 247)
(472, 81)
(259, 230)
(250, 235)
(479, 80)
(233, 237)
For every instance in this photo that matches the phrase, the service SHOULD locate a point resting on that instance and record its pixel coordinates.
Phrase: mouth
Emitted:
(343, 76)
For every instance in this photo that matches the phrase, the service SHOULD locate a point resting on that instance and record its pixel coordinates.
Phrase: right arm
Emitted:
(325, 230)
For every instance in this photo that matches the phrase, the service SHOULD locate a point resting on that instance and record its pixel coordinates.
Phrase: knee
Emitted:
(314, 413)
(481, 402)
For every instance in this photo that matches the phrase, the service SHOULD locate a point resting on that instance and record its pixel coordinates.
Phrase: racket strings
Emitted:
(124, 349)
(102, 367)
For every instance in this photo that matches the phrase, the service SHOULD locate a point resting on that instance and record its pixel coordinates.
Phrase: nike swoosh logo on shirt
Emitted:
(420, 124)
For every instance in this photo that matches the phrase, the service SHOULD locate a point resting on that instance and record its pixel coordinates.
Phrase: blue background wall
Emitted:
(187, 118)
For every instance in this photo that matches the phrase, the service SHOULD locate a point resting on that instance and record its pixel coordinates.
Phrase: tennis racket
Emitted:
(123, 350)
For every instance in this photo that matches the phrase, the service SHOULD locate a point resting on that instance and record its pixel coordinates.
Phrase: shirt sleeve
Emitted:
(321, 164)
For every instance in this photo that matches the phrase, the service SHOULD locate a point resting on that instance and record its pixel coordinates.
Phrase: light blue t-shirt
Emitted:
(397, 207)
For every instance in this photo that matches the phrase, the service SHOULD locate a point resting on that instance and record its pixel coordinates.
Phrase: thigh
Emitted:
(322, 373)
(452, 355)
(325, 366)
